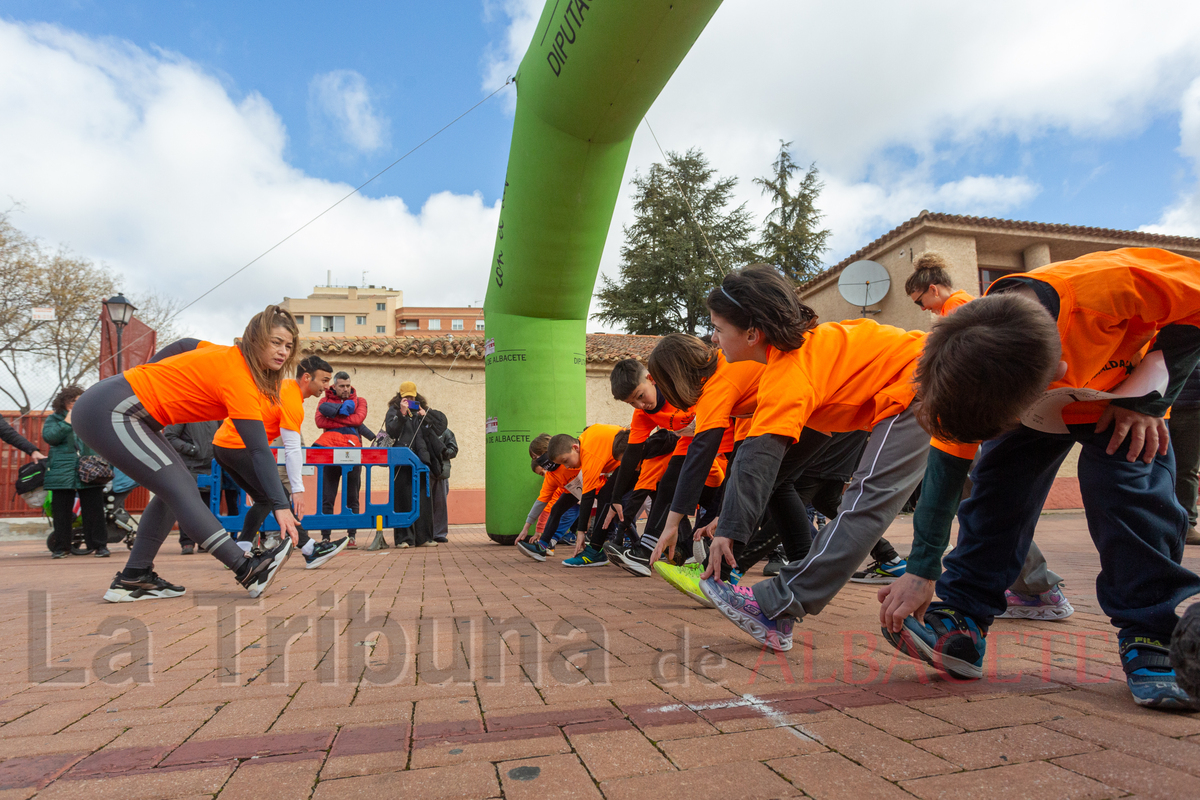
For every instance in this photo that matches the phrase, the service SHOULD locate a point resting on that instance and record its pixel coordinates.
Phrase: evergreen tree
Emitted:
(681, 243)
(792, 239)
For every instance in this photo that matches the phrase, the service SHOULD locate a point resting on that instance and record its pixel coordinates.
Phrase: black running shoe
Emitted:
(635, 560)
(324, 551)
(143, 585)
(262, 569)
(775, 563)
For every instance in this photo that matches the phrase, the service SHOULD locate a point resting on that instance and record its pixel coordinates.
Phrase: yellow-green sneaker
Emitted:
(686, 579)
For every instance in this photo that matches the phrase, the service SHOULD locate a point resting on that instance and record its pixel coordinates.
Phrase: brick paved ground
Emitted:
(482, 674)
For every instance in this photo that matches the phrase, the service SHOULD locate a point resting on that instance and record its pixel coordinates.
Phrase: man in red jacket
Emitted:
(340, 417)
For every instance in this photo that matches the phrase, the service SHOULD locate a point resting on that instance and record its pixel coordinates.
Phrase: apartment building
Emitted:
(437, 321)
(346, 311)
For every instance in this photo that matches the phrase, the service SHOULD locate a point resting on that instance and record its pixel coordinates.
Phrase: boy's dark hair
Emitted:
(539, 444)
(67, 395)
(660, 443)
(311, 366)
(984, 365)
(626, 376)
(760, 297)
(680, 364)
(341, 376)
(620, 443)
(929, 269)
(560, 445)
(533, 465)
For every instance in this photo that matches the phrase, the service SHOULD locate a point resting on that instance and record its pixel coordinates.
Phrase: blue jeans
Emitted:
(1133, 517)
(568, 519)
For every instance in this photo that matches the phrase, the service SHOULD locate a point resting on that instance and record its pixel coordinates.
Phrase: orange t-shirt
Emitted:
(959, 298)
(595, 453)
(554, 484)
(731, 392)
(210, 382)
(716, 473)
(847, 376)
(652, 471)
(1111, 306)
(288, 414)
(668, 418)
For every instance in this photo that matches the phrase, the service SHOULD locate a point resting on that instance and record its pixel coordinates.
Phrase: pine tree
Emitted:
(792, 239)
(681, 243)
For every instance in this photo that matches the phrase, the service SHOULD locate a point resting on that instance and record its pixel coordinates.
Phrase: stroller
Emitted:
(118, 522)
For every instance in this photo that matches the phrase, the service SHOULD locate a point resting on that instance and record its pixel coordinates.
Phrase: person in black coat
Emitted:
(441, 490)
(413, 424)
(11, 436)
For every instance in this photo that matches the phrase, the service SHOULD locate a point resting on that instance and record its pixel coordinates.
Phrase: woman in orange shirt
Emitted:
(122, 418)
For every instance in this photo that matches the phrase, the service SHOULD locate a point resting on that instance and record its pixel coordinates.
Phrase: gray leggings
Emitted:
(109, 417)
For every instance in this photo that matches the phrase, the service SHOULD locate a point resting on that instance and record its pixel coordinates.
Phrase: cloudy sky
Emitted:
(176, 142)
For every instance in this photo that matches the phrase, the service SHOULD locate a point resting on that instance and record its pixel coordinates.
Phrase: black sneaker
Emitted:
(949, 641)
(59, 554)
(775, 563)
(261, 570)
(634, 560)
(143, 585)
(187, 550)
(324, 551)
(101, 553)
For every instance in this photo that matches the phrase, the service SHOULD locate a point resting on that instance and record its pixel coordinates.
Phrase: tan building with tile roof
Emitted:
(448, 371)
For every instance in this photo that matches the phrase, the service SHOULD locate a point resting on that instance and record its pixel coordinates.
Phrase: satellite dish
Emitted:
(864, 283)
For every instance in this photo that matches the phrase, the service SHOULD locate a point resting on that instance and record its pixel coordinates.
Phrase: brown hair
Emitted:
(254, 341)
(759, 297)
(68, 394)
(985, 364)
(560, 444)
(534, 465)
(928, 270)
(627, 374)
(620, 444)
(680, 364)
(538, 446)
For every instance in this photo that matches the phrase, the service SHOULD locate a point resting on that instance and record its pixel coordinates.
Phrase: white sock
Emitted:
(245, 546)
(308, 547)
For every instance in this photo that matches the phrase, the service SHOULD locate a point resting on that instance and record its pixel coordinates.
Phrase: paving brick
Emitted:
(67, 742)
(108, 762)
(243, 718)
(757, 745)
(1034, 781)
(616, 754)
(999, 746)
(748, 779)
(1117, 704)
(550, 776)
(553, 717)
(998, 713)
(253, 780)
(498, 746)
(1180, 754)
(902, 721)
(36, 771)
(1133, 775)
(365, 764)
(269, 745)
(328, 718)
(885, 755)
(466, 781)
(149, 785)
(830, 776)
(369, 739)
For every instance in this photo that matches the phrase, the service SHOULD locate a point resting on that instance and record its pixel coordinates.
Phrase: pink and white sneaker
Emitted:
(1050, 606)
(738, 603)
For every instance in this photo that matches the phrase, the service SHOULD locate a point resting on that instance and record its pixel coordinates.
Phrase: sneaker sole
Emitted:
(535, 556)
(680, 587)
(1044, 613)
(317, 562)
(874, 580)
(127, 595)
(750, 625)
(258, 587)
(912, 645)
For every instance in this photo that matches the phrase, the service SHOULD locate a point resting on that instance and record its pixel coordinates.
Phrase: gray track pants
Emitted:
(109, 417)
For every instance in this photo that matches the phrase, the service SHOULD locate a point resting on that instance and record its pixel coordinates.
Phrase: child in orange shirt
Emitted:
(121, 418)
(1086, 324)
(833, 377)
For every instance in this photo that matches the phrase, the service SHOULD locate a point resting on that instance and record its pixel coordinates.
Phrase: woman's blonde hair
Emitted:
(680, 365)
(255, 341)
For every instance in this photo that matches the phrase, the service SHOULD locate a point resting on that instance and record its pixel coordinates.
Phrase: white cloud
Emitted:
(500, 61)
(1183, 217)
(144, 162)
(341, 99)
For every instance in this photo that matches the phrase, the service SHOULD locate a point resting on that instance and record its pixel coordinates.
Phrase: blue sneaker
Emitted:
(533, 549)
(877, 572)
(949, 641)
(590, 557)
(1150, 677)
(568, 538)
(738, 603)
(735, 577)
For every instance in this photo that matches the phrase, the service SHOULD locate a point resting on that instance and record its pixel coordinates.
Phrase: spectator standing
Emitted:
(1184, 426)
(413, 424)
(340, 416)
(62, 480)
(10, 435)
(194, 443)
(441, 490)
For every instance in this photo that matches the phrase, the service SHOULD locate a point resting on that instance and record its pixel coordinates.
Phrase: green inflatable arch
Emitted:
(591, 72)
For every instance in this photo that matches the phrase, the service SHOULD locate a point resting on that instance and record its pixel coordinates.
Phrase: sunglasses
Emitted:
(922, 297)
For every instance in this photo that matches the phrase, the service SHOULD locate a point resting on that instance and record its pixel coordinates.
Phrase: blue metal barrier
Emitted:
(345, 459)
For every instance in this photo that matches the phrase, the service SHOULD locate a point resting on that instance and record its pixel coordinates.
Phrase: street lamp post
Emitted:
(120, 311)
